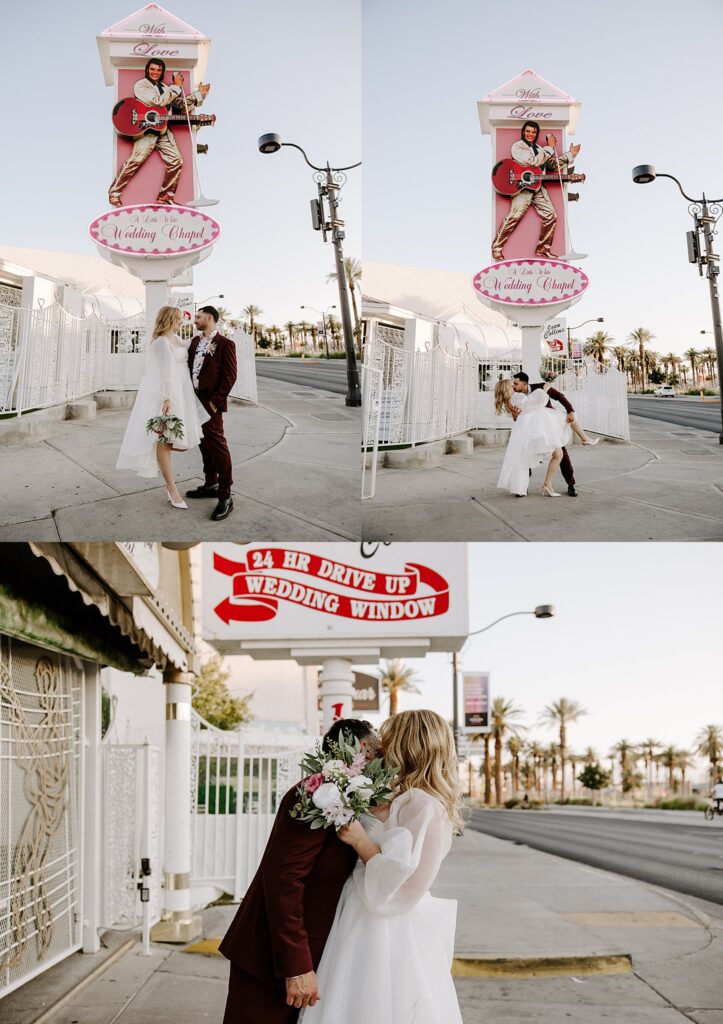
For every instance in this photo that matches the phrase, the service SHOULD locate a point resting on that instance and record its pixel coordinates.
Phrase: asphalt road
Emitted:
(685, 412)
(686, 858)
(327, 375)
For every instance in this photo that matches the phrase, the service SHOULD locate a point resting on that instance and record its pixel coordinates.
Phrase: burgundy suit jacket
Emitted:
(555, 395)
(218, 373)
(282, 925)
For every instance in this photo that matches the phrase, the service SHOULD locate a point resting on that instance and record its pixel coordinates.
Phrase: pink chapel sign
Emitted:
(530, 282)
(154, 230)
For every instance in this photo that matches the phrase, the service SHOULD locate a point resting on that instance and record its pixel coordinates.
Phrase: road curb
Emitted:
(540, 967)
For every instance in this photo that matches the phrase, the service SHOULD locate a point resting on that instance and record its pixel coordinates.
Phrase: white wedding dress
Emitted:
(165, 376)
(535, 434)
(389, 953)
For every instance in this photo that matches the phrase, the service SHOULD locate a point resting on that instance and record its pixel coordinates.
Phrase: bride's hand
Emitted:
(166, 407)
(353, 834)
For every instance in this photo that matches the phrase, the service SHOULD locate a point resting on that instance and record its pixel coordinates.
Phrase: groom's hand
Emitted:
(302, 991)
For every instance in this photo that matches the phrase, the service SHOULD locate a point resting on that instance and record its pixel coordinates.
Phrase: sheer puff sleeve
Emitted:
(413, 845)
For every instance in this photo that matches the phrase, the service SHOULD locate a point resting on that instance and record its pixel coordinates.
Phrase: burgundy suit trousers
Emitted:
(216, 457)
(253, 1001)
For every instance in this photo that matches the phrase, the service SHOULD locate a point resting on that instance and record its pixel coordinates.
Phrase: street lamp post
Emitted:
(595, 320)
(203, 303)
(329, 181)
(542, 611)
(323, 314)
(705, 213)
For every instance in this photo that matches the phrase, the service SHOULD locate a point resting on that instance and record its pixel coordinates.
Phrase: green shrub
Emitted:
(513, 802)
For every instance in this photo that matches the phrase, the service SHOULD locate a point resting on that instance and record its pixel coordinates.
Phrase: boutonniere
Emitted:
(211, 350)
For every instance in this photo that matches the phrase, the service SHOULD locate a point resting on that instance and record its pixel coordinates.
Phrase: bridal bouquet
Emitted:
(340, 785)
(168, 428)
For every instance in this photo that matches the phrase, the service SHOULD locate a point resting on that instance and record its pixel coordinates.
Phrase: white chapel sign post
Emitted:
(335, 605)
(532, 278)
(157, 241)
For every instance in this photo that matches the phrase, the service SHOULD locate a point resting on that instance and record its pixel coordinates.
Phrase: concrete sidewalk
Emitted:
(541, 938)
(296, 475)
(667, 485)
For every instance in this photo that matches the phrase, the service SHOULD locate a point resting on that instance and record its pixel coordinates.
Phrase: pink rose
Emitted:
(313, 782)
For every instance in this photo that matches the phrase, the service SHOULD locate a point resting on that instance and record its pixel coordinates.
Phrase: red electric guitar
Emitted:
(509, 177)
(132, 119)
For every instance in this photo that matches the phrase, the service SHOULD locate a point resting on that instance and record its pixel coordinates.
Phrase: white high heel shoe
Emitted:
(176, 504)
(548, 492)
(591, 442)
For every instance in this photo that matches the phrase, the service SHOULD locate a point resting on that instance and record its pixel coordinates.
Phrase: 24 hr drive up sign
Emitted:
(335, 591)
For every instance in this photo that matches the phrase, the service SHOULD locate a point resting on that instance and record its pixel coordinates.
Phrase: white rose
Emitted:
(326, 796)
(362, 785)
(332, 766)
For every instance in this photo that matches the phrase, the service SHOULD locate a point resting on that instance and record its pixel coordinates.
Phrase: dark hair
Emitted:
(529, 124)
(356, 726)
(209, 309)
(161, 64)
(521, 376)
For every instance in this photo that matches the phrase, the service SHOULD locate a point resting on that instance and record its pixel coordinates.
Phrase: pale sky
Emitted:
(285, 66)
(634, 640)
(648, 79)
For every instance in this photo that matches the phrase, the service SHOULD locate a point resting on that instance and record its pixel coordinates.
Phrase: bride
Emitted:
(537, 434)
(389, 953)
(165, 389)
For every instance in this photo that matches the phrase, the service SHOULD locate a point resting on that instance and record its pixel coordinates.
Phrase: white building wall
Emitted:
(284, 693)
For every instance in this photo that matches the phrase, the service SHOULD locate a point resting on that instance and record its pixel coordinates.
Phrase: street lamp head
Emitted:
(270, 143)
(545, 611)
(643, 174)
(601, 319)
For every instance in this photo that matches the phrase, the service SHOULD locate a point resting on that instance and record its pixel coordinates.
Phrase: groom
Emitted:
(276, 940)
(521, 386)
(212, 362)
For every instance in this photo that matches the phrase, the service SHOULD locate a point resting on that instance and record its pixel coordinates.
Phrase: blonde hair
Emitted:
(168, 321)
(420, 746)
(503, 394)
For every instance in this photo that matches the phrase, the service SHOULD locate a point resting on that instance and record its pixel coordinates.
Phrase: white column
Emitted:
(91, 809)
(156, 296)
(337, 689)
(179, 923)
(531, 351)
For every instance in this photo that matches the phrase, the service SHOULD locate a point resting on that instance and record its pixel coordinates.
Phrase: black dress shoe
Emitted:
(203, 492)
(571, 490)
(223, 509)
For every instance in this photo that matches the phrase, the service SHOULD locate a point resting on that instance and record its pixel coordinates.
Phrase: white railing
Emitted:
(48, 356)
(236, 791)
(421, 395)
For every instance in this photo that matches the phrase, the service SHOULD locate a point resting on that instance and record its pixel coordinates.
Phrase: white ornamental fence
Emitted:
(41, 765)
(48, 356)
(236, 791)
(413, 396)
(132, 811)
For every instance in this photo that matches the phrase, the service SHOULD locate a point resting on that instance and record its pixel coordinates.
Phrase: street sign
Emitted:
(475, 702)
(367, 692)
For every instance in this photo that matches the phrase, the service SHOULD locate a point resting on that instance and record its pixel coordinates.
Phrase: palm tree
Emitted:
(334, 328)
(514, 746)
(627, 756)
(353, 276)
(573, 760)
(252, 312)
(597, 345)
(668, 757)
(692, 356)
(552, 762)
(537, 753)
(502, 720)
(396, 676)
(590, 756)
(488, 771)
(683, 761)
(709, 743)
(709, 355)
(562, 712)
(640, 337)
(290, 328)
(620, 353)
(648, 751)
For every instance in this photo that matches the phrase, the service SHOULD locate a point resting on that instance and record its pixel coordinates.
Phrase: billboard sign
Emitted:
(335, 592)
(475, 702)
(554, 336)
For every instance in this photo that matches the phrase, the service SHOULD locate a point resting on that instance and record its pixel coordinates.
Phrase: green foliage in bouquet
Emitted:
(341, 784)
(168, 428)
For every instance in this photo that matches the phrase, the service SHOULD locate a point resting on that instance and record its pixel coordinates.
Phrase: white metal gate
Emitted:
(41, 732)
(132, 795)
(236, 791)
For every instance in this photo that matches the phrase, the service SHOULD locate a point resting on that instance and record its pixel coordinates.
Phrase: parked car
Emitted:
(665, 391)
